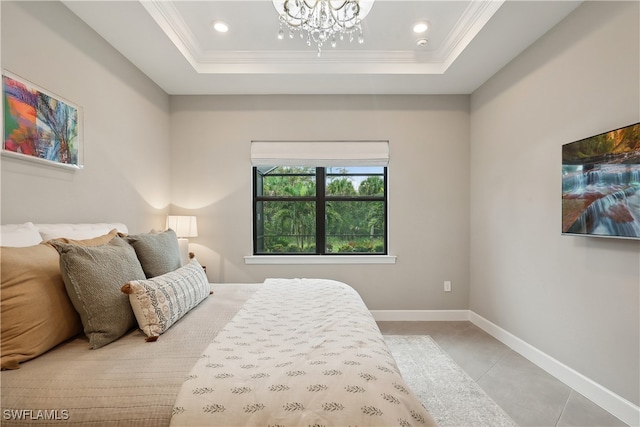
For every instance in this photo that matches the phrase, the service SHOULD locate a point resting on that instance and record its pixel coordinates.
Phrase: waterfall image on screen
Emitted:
(601, 184)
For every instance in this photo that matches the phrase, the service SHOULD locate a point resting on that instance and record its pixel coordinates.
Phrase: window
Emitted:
(320, 210)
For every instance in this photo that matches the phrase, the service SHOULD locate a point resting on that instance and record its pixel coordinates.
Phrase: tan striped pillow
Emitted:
(159, 302)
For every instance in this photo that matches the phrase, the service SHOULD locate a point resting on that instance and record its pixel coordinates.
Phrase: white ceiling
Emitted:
(172, 42)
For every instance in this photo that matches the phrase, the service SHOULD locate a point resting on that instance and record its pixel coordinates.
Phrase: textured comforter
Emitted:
(129, 382)
(301, 352)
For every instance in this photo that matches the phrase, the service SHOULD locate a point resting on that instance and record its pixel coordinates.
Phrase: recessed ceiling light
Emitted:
(420, 27)
(220, 26)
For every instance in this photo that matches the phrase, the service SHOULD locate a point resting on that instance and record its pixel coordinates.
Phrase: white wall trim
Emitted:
(610, 401)
(318, 259)
(601, 396)
(420, 315)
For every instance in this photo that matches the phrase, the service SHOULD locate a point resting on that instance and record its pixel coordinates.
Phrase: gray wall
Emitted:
(428, 186)
(575, 298)
(126, 125)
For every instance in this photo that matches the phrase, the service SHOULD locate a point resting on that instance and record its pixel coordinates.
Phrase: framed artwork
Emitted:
(40, 126)
(601, 185)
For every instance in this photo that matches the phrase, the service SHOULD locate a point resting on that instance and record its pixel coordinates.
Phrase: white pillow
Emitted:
(78, 231)
(161, 301)
(19, 235)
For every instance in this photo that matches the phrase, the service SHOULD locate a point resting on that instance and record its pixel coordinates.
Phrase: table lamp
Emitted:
(185, 226)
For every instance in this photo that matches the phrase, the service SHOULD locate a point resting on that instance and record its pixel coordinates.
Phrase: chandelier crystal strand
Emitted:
(323, 20)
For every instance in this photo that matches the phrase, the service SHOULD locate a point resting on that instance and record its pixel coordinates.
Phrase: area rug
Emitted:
(452, 397)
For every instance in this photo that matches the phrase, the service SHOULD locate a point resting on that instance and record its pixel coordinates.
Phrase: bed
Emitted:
(286, 352)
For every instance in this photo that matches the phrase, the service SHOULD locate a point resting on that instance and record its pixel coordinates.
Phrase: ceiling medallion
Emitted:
(323, 20)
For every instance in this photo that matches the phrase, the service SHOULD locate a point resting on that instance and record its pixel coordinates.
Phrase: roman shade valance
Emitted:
(320, 153)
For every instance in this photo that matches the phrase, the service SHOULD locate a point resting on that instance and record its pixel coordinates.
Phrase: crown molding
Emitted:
(472, 20)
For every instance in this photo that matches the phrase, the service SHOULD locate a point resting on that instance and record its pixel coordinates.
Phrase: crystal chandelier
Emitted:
(323, 20)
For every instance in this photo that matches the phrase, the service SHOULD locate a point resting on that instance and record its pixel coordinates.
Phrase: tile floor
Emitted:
(527, 393)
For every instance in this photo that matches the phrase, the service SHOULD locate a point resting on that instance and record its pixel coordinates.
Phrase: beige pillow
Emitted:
(161, 301)
(159, 253)
(93, 277)
(35, 311)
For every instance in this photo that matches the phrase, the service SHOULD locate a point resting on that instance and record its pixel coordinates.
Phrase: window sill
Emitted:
(319, 259)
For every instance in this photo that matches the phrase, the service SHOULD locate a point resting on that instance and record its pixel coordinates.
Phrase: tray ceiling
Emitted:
(174, 44)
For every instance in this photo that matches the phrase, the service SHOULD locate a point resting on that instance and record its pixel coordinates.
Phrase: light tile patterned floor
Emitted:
(527, 393)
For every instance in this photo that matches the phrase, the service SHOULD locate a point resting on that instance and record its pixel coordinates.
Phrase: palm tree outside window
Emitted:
(320, 210)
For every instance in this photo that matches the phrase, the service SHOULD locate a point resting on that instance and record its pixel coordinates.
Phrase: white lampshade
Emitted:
(183, 225)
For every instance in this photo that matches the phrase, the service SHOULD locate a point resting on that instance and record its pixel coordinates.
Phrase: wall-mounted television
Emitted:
(601, 185)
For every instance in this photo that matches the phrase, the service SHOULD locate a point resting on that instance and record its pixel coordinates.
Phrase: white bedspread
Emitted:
(300, 352)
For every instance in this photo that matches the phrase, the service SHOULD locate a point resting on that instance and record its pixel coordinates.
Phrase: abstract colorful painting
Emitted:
(38, 125)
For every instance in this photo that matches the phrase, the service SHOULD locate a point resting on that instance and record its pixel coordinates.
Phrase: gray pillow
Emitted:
(158, 253)
(93, 276)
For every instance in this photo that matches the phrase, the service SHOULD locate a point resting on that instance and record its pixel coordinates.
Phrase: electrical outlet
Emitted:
(447, 286)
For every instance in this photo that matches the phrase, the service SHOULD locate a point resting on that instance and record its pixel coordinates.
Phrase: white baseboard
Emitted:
(420, 315)
(601, 396)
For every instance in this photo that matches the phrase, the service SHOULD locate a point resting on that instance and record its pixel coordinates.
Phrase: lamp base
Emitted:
(183, 245)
